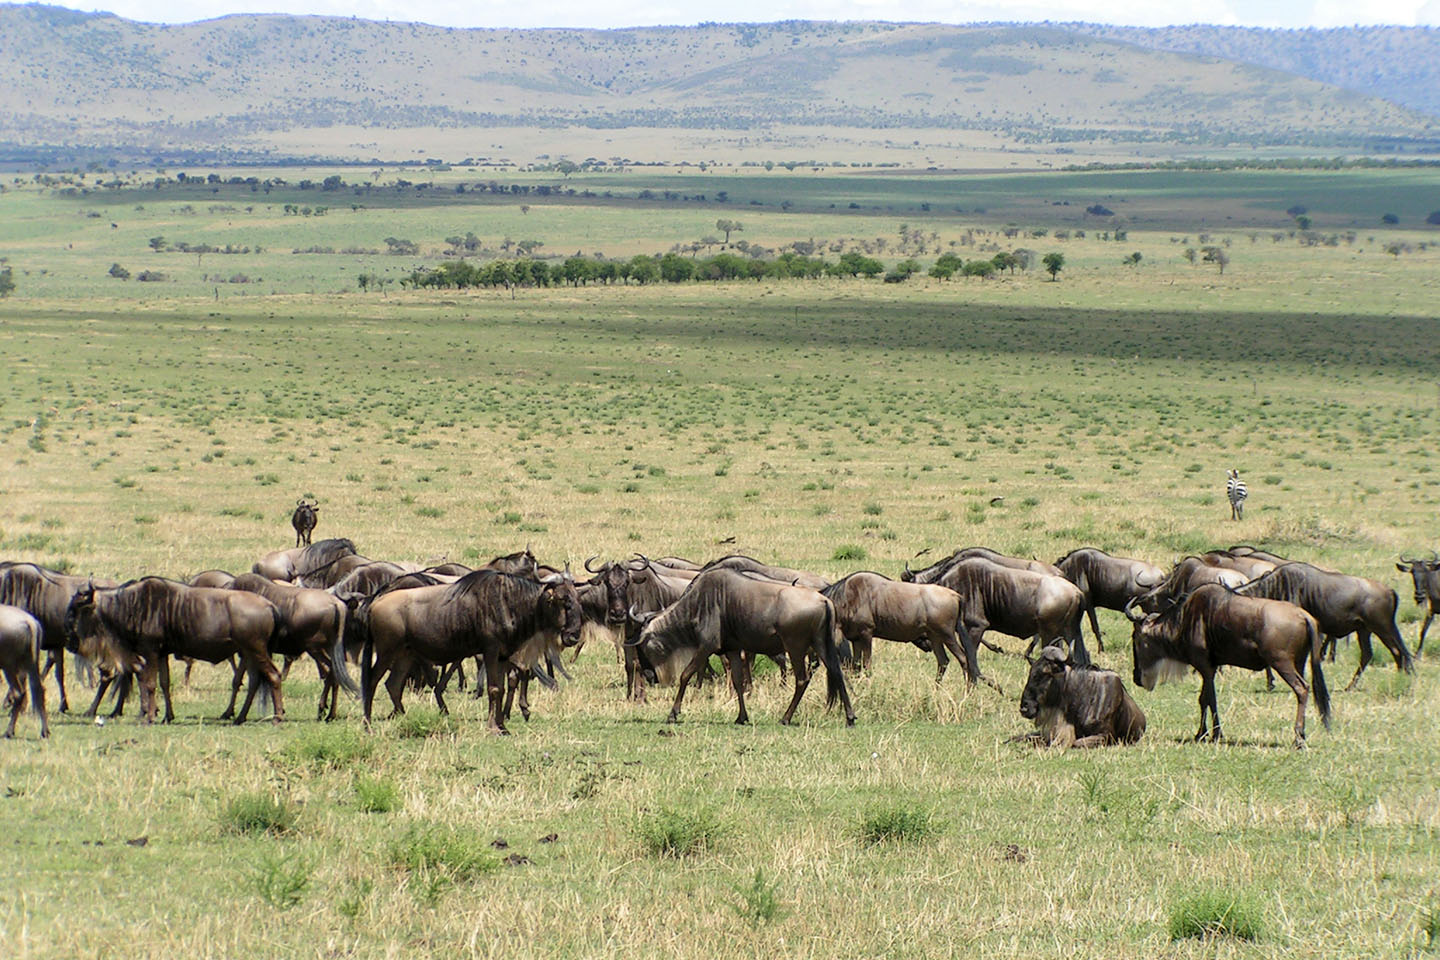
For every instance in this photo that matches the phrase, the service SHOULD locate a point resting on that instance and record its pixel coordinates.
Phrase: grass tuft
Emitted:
(898, 823)
(437, 850)
(759, 903)
(255, 813)
(330, 746)
(1215, 913)
(420, 724)
(679, 833)
(848, 551)
(281, 879)
(376, 795)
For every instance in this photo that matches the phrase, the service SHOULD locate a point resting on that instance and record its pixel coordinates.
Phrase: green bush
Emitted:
(330, 747)
(848, 551)
(438, 850)
(1215, 913)
(376, 795)
(280, 879)
(419, 724)
(898, 823)
(678, 833)
(258, 813)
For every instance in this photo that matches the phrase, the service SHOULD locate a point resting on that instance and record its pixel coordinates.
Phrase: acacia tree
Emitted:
(1054, 263)
(1217, 256)
(727, 227)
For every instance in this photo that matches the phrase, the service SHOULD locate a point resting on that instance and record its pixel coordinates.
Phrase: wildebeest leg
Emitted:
(1269, 679)
(189, 665)
(147, 688)
(327, 680)
(1290, 675)
(251, 687)
(861, 647)
(1329, 643)
(634, 682)
(494, 680)
(739, 686)
(37, 697)
(122, 693)
(14, 699)
(525, 676)
(165, 687)
(1420, 644)
(236, 676)
(400, 667)
(1366, 655)
(105, 681)
(60, 678)
(285, 674)
(701, 658)
(1207, 703)
(442, 685)
(512, 684)
(1094, 740)
(1094, 627)
(802, 680)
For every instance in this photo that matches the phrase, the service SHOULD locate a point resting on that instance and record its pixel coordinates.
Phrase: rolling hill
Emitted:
(250, 85)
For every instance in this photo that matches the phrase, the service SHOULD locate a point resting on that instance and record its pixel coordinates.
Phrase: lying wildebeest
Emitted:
(1245, 550)
(303, 520)
(1183, 578)
(500, 616)
(1106, 581)
(934, 572)
(868, 605)
(799, 578)
(21, 639)
(290, 564)
(219, 579)
(1342, 605)
(143, 622)
(1426, 577)
(314, 625)
(44, 594)
(1021, 603)
(1077, 706)
(726, 612)
(1215, 627)
(327, 575)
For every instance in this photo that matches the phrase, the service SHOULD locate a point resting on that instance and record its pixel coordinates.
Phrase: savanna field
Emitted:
(831, 425)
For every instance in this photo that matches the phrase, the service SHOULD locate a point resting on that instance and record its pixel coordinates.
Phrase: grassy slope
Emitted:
(167, 434)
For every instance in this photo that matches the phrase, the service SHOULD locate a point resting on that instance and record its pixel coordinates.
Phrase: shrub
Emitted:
(330, 747)
(280, 879)
(678, 833)
(758, 901)
(1215, 913)
(898, 823)
(848, 551)
(376, 795)
(435, 849)
(258, 813)
(150, 276)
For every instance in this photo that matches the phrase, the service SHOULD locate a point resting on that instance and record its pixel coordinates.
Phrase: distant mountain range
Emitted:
(240, 84)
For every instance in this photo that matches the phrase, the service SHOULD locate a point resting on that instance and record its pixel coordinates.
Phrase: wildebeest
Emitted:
(1247, 563)
(45, 594)
(868, 605)
(934, 572)
(291, 564)
(314, 625)
(1185, 576)
(1342, 605)
(303, 520)
(1425, 575)
(799, 578)
(1245, 550)
(21, 639)
(1214, 627)
(650, 591)
(1078, 706)
(726, 612)
(1107, 581)
(500, 616)
(365, 580)
(219, 579)
(145, 621)
(604, 600)
(1021, 603)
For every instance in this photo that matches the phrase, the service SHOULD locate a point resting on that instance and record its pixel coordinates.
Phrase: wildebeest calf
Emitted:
(1078, 706)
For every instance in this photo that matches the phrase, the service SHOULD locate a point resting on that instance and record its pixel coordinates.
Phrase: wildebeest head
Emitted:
(92, 635)
(1153, 646)
(561, 607)
(1420, 572)
(614, 578)
(635, 624)
(1046, 682)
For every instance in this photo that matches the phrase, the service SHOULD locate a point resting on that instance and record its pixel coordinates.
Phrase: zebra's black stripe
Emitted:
(1236, 491)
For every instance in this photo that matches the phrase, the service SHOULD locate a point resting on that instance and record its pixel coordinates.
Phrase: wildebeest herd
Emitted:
(668, 617)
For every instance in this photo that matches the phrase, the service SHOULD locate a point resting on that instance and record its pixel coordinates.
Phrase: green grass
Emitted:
(898, 823)
(676, 832)
(1215, 914)
(258, 813)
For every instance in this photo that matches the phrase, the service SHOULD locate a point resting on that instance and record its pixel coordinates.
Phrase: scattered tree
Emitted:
(1434, 218)
(7, 281)
(1054, 263)
(1189, 255)
(728, 227)
(945, 266)
(119, 272)
(1217, 256)
(157, 244)
(1390, 218)
(1133, 260)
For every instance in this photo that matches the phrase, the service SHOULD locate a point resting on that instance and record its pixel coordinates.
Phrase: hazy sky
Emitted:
(589, 13)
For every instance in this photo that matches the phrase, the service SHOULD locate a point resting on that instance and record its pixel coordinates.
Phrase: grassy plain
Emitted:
(152, 428)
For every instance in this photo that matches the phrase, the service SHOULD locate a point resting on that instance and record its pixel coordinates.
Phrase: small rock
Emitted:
(138, 841)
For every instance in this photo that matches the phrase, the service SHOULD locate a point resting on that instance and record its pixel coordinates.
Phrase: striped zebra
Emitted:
(1235, 491)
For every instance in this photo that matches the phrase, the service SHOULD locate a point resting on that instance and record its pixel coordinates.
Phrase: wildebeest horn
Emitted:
(1063, 646)
(588, 568)
(920, 553)
(907, 566)
(1130, 611)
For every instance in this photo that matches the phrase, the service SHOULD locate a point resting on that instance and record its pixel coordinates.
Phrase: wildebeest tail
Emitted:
(1317, 675)
(1407, 662)
(337, 653)
(1078, 654)
(830, 657)
(367, 657)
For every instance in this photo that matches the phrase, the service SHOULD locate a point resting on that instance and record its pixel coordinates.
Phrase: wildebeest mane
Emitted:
(836, 590)
(1289, 581)
(318, 556)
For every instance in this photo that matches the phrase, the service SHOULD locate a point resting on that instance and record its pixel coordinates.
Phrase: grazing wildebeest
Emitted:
(44, 594)
(1342, 604)
(303, 520)
(868, 605)
(1107, 581)
(290, 564)
(799, 578)
(650, 591)
(500, 616)
(147, 620)
(1214, 627)
(314, 625)
(1426, 577)
(1078, 706)
(21, 639)
(1185, 576)
(934, 572)
(219, 579)
(726, 612)
(1021, 603)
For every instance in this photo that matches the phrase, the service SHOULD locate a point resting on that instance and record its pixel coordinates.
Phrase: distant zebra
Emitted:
(1236, 492)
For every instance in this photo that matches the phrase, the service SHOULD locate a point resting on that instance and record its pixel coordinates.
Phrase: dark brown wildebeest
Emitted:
(21, 640)
(145, 621)
(314, 625)
(726, 612)
(1077, 706)
(303, 520)
(288, 565)
(1107, 581)
(44, 594)
(650, 591)
(449, 569)
(604, 599)
(219, 579)
(1021, 603)
(868, 605)
(500, 616)
(1215, 627)
(934, 572)
(366, 580)
(1425, 575)
(799, 578)
(1184, 577)
(1342, 605)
